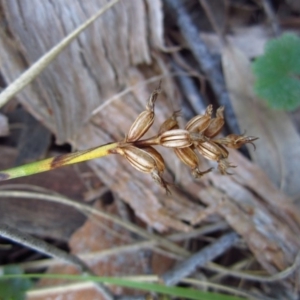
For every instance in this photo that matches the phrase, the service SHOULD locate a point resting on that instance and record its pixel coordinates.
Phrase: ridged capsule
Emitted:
(146, 160)
(160, 163)
(171, 123)
(140, 126)
(138, 158)
(201, 122)
(177, 138)
(144, 121)
(212, 151)
(189, 158)
(216, 124)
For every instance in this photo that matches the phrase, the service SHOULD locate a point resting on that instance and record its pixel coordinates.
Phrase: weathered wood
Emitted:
(97, 66)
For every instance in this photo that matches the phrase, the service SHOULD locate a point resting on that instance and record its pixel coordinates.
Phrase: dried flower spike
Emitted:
(145, 119)
(189, 158)
(201, 122)
(216, 124)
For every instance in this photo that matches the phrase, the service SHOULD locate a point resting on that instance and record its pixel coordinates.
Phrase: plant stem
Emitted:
(56, 162)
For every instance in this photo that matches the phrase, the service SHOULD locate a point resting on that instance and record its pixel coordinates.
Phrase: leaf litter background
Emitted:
(132, 42)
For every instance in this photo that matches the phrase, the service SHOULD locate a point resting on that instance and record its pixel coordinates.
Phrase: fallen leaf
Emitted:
(278, 147)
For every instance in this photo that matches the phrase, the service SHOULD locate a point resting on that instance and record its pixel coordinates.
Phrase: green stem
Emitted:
(56, 162)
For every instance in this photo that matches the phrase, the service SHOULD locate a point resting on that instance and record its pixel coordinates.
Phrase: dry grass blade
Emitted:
(46, 59)
(149, 278)
(82, 207)
(103, 254)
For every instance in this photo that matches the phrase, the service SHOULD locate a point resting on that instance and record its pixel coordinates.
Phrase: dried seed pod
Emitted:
(177, 138)
(171, 123)
(160, 163)
(223, 165)
(236, 141)
(216, 124)
(212, 151)
(189, 158)
(145, 119)
(146, 160)
(138, 158)
(140, 126)
(201, 122)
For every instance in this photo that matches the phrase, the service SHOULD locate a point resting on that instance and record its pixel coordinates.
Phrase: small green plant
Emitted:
(14, 288)
(277, 73)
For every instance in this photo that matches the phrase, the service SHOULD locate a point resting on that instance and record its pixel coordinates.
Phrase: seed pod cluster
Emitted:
(197, 138)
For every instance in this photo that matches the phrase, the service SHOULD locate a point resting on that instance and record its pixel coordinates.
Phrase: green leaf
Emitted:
(187, 293)
(277, 73)
(15, 288)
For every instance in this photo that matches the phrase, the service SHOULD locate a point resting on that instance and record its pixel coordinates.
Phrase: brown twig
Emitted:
(271, 16)
(191, 92)
(207, 63)
(200, 259)
(206, 7)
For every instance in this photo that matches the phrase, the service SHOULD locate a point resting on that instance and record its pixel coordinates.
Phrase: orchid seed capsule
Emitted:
(189, 158)
(177, 138)
(146, 160)
(170, 124)
(140, 126)
(138, 158)
(145, 119)
(160, 163)
(236, 141)
(212, 151)
(216, 124)
(201, 122)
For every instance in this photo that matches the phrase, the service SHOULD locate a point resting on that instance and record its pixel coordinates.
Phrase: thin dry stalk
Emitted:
(31, 73)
